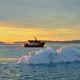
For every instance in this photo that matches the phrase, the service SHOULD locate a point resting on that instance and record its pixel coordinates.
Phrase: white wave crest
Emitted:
(49, 55)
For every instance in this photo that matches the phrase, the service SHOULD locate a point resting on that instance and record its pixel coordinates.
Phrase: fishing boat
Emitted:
(34, 43)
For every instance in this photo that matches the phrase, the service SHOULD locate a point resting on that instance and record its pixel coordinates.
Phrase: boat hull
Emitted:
(36, 45)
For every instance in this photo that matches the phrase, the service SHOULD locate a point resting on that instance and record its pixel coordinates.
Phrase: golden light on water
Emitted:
(8, 59)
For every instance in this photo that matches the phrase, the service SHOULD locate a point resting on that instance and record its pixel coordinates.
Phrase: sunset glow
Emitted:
(16, 33)
(47, 20)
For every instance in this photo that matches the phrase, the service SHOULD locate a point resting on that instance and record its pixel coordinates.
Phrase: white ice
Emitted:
(49, 55)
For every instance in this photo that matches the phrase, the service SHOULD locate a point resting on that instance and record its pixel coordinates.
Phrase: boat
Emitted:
(34, 43)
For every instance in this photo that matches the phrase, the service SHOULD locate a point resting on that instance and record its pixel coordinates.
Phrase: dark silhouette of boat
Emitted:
(34, 43)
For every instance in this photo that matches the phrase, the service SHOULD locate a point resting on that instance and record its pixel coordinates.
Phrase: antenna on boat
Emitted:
(35, 38)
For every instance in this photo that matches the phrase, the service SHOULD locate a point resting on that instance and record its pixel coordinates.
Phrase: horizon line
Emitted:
(41, 40)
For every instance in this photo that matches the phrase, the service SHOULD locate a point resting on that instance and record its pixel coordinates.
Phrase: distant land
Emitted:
(47, 41)
(2, 42)
(71, 41)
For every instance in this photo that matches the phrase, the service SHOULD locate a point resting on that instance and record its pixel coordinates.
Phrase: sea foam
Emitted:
(49, 56)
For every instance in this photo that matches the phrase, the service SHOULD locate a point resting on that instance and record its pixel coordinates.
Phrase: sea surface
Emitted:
(10, 70)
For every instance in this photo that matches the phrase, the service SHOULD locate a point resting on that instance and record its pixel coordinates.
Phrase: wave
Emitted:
(50, 56)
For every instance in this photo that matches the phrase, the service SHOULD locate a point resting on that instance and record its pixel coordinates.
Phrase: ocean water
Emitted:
(64, 70)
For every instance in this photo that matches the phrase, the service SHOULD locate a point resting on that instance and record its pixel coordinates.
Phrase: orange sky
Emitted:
(20, 20)
(11, 33)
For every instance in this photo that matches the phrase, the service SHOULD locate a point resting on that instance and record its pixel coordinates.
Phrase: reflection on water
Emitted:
(62, 71)
(9, 70)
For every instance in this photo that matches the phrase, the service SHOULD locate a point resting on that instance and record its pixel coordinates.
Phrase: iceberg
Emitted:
(49, 56)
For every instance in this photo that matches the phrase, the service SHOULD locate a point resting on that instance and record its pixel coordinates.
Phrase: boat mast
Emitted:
(35, 38)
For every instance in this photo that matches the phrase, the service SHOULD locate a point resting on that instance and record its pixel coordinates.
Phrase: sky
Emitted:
(21, 20)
